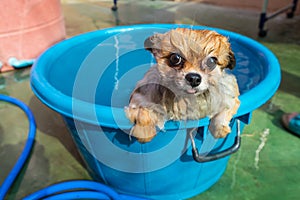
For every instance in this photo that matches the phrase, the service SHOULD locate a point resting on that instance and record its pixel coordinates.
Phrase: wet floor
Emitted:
(267, 165)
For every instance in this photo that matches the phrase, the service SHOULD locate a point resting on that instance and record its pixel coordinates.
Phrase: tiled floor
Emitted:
(274, 176)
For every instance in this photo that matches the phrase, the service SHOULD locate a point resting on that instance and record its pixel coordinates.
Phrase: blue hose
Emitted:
(27, 149)
(86, 189)
(77, 189)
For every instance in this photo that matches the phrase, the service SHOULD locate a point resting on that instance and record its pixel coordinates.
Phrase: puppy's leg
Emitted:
(145, 121)
(146, 110)
(219, 124)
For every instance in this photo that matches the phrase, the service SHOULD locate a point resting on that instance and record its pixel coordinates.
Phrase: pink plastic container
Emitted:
(27, 28)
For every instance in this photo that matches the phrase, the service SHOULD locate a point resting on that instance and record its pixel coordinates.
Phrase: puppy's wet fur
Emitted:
(188, 82)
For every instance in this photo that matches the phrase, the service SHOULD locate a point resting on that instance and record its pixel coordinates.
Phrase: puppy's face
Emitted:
(190, 61)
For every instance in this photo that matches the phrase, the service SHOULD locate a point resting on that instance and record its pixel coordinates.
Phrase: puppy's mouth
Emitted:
(192, 91)
(195, 90)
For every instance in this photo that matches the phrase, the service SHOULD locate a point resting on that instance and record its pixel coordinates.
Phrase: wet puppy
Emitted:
(189, 81)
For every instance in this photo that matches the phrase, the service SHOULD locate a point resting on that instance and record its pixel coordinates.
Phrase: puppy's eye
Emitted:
(175, 59)
(211, 63)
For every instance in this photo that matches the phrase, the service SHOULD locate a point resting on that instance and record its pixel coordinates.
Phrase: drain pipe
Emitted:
(20, 63)
(14, 63)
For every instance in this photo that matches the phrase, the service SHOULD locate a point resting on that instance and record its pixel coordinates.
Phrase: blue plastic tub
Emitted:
(88, 80)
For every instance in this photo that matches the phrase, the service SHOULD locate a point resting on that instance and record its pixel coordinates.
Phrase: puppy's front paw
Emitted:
(219, 131)
(143, 133)
(145, 123)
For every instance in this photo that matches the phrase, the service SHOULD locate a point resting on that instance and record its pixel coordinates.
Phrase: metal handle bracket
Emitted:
(211, 157)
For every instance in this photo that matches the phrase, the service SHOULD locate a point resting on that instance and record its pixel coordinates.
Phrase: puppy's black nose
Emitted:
(193, 79)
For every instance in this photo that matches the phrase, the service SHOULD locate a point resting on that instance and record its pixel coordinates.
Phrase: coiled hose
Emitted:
(77, 189)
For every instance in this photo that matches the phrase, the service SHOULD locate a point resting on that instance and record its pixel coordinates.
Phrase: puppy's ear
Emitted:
(231, 60)
(149, 43)
(153, 43)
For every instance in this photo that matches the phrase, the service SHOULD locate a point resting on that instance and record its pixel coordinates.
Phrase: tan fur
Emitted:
(164, 93)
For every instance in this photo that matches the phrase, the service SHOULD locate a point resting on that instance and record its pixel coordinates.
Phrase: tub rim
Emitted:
(63, 103)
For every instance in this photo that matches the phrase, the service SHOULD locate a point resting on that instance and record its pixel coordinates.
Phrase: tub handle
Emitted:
(211, 157)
